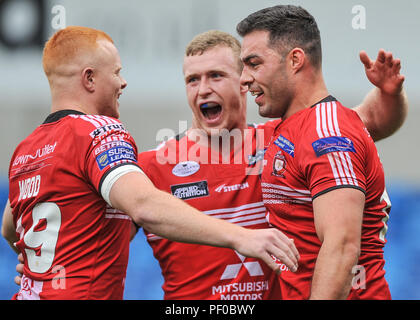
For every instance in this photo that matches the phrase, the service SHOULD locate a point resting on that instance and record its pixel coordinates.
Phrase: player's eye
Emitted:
(253, 64)
(191, 79)
(215, 75)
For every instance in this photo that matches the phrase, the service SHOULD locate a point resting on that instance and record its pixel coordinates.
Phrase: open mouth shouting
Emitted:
(211, 111)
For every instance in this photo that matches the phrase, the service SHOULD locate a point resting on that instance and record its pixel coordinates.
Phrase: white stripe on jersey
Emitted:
(335, 119)
(96, 120)
(298, 191)
(117, 216)
(249, 212)
(245, 206)
(351, 168)
(329, 117)
(334, 170)
(236, 214)
(324, 121)
(246, 218)
(92, 121)
(276, 194)
(106, 120)
(271, 201)
(153, 237)
(245, 215)
(345, 166)
(112, 213)
(339, 167)
(326, 126)
(254, 222)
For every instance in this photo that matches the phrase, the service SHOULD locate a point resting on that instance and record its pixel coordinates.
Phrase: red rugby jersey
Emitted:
(229, 191)
(315, 151)
(74, 244)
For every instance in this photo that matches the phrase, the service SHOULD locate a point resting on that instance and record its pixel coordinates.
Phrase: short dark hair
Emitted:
(289, 27)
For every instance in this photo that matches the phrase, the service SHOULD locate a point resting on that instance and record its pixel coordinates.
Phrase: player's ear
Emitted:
(296, 58)
(88, 79)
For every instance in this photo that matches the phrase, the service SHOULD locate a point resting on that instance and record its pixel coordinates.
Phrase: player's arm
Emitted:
(172, 218)
(7, 228)
(385, 108)
(338, 218)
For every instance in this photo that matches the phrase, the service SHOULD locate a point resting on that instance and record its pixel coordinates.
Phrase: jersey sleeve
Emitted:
(112, 153)
(333, 150)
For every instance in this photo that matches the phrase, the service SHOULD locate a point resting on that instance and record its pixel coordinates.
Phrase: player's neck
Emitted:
(307, 94)
(60, 102)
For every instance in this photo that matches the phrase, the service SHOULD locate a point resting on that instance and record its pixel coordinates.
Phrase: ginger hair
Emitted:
(65, 45)
(213, 38)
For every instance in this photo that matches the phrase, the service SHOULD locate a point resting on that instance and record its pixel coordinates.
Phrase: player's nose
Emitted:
(246, 78)
(204, 88)
(123, 83)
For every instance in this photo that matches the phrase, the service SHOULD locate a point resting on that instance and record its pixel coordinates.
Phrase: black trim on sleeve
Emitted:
(112, 169)
(338, 187)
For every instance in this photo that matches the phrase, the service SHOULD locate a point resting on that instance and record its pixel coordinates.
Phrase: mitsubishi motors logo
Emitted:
(232, 270)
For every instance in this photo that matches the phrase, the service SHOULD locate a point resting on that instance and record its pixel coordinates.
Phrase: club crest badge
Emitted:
(279, 165)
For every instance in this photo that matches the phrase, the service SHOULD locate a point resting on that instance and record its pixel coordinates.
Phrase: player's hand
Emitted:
(19, 269)
(266, 243)
(384, 72)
